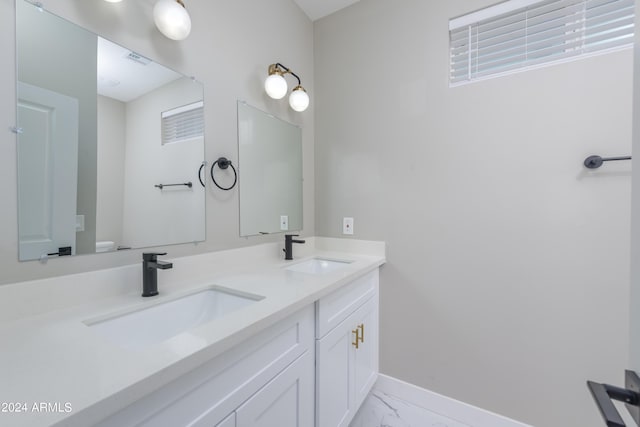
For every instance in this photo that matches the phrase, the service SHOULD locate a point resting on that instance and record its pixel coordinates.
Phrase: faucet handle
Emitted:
(152, 256)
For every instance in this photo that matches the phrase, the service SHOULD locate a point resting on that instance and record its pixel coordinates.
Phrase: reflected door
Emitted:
(47, 171)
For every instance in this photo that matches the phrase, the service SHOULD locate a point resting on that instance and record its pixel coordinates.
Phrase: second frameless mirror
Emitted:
(110, 143)
(270, 158)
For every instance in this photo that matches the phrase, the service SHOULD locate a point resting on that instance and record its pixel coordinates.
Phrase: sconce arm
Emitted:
(288, 71)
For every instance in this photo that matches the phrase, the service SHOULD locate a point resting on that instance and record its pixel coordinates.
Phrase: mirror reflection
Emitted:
(109, 144)
(270, 157)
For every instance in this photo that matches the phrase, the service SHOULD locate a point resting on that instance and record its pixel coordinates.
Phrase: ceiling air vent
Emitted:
(138, 58)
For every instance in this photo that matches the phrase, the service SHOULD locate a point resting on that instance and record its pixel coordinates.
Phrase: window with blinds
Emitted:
(183, 123)
(521, 34)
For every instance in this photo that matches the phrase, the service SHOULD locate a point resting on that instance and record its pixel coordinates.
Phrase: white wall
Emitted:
(230, 47)
(508, 263)
(110, 169)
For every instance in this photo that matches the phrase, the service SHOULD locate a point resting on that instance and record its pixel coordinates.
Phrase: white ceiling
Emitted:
(123, 79)
(316, 9)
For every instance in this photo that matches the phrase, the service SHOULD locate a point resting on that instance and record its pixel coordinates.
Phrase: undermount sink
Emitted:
(151, 325)
(318, 266)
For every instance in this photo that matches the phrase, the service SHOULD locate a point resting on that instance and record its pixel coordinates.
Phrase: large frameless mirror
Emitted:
(109, 144)
(270, 158)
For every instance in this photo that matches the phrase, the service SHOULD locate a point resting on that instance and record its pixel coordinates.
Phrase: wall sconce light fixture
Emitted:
(276, 87)
(172, 19)
(113, 1)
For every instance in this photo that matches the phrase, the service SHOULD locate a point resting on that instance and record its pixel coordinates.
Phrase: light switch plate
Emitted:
(284, 222)
(347, 225)
(79, 223)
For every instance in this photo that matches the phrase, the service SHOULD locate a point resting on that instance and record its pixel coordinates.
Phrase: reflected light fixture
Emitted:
(276, 87)
(172, 19)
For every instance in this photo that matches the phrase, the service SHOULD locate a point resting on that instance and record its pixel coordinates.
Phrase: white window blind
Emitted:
(183, 123)
(523, 34)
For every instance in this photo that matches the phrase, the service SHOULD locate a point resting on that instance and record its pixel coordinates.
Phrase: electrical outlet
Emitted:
(284, 222)
(347, 225)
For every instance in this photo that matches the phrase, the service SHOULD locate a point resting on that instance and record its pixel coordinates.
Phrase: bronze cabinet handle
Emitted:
(359, 332)
(357, 339)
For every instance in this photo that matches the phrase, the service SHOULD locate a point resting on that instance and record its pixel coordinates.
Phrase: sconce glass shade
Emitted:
(113, 1)
(172, 19)
(299, 100)
(276, 86)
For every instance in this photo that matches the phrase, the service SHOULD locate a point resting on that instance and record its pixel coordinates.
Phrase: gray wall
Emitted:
(110, 170)
(230, 47)
(508, 264)
(171, 215)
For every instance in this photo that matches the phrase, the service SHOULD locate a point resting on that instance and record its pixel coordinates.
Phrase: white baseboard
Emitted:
(443, 405)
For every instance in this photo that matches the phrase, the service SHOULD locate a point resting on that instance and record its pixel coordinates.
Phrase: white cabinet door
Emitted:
(345, 372)
(286, 401)
(230, 421)
(365, 365)
(334, 364)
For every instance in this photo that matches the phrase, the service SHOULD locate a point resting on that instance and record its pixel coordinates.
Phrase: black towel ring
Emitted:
(224, 163)
(200, 173)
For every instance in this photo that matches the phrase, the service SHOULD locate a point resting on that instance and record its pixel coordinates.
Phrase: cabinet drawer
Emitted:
(206, 395)
(333, 309)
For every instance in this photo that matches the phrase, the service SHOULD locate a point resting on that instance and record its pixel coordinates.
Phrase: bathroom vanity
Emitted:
(296, 343)
(231, 338)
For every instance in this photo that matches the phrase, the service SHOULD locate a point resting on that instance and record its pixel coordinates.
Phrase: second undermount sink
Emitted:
(318, 266)
(150, 325)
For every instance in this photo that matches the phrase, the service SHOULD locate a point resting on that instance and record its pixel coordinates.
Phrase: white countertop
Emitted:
(50, 356)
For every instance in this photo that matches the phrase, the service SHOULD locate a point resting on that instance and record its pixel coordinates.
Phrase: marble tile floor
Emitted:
(382, 410)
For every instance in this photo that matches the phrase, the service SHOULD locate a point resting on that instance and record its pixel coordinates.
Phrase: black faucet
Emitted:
(288, 245)
(150, 266)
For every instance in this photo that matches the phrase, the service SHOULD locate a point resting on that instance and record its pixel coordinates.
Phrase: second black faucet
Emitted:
(288, 245)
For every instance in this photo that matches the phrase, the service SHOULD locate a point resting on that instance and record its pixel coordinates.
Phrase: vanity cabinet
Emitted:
(347, 352)
(258, 382)
(313, 368)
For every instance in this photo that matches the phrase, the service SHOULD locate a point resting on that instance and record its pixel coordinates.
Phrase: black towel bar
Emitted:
(594, 162)
(186, 184)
